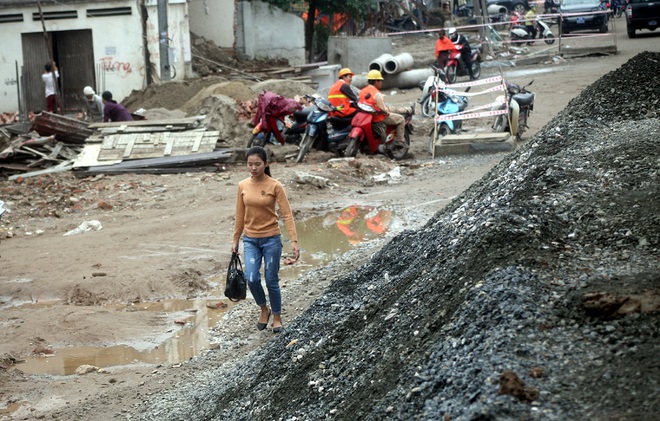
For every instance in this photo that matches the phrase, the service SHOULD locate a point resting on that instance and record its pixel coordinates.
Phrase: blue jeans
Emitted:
(270, 250)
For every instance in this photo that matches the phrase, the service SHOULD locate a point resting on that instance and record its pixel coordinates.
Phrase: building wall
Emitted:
(214, 20)
(119, 59)
(268, 32)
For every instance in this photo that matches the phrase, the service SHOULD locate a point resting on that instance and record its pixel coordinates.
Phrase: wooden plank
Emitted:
(188, 121)
(169, 143)
(129, 146)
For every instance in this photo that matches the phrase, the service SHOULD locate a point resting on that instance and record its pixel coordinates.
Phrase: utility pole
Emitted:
(58, 98)
(163, 41)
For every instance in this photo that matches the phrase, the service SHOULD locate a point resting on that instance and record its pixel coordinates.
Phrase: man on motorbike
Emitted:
(443, 48)
(466, 51)
(341, 96)
(371, 95)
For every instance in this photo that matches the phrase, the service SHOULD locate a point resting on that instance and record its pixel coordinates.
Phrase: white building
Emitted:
(107, 44)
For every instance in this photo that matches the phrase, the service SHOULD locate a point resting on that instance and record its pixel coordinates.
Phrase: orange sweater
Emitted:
(255, 209)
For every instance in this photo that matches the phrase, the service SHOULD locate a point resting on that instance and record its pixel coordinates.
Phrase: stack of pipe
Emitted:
(395, 75)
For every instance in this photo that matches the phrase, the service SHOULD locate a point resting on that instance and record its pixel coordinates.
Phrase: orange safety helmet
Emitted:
(345, 71)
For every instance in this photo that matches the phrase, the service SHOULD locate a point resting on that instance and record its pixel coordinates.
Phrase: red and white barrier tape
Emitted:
(482, 114)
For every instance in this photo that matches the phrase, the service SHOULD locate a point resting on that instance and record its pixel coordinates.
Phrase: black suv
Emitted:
(574, 16)
(642, 14)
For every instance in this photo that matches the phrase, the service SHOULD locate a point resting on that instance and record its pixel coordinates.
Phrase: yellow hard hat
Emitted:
(374, 75)
(345, 71)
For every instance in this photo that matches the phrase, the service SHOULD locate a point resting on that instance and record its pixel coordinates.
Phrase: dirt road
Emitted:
(131, 298)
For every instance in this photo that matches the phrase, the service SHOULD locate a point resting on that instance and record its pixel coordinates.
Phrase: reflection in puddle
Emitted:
(323, 239)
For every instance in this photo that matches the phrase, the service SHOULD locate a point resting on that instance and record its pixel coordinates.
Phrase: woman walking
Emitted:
(257, 220)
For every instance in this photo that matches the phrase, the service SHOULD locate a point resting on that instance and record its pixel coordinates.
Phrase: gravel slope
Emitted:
(533, 295)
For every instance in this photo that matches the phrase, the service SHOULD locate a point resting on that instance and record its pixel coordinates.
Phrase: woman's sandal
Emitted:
(262, 326)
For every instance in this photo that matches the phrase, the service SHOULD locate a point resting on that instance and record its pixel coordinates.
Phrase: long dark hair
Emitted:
(263, 154)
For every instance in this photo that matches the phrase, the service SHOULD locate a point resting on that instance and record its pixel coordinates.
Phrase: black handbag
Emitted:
(236, 288)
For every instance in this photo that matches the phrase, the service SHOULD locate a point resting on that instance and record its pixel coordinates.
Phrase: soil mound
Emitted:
(286, 88)
(169, 95)
(481, 313)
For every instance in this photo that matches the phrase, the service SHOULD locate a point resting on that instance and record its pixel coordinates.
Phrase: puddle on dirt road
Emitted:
(322, 238)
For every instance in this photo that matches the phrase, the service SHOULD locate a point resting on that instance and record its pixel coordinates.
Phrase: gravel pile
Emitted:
(533, 295)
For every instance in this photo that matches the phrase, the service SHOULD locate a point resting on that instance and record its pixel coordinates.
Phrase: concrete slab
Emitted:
(474, 143)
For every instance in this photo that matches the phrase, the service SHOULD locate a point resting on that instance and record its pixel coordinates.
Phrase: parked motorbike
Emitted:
(362, 138)
(521, 103)
(316, 126)
(428, 87)
(456, 66)
(447, 104)
(520, 35)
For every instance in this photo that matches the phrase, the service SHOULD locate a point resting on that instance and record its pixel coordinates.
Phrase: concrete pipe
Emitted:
(399, 63)
(497, 10)
(404, 80)
(379, 63)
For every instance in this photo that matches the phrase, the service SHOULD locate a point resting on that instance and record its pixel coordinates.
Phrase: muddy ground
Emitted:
(165, 239)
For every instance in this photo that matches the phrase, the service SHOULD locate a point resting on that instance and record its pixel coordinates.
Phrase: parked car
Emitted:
(583, 21)
(642, 14)
(506, 8)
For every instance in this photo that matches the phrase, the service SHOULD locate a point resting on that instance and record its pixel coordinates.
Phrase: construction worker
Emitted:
(341, 96)
(371, 95)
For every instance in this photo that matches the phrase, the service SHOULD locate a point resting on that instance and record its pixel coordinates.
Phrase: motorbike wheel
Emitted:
(451, 74)
(549, 39)
(305, 145)
(501, 123)
(399, 150)
(443, 130)
(255, 141)
(522, 124)
(352, 148)
(476, 69)
(427, 107)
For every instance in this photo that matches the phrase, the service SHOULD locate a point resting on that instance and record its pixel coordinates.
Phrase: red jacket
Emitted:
(371, 89)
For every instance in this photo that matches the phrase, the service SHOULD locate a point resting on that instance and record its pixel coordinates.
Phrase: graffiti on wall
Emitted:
(122, 68)
(10, 82)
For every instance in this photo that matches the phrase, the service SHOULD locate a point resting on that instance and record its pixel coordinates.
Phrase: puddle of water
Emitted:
(323, 238)
(187, 342)
(11, 408)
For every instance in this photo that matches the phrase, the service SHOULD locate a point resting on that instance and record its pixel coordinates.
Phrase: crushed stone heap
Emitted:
(533, 295)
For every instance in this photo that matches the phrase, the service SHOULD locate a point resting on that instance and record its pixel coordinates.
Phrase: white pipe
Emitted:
(399, 63)
(404, 80)
(379, 63)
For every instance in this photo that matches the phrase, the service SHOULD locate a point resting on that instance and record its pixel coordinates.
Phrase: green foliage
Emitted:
(282, 4)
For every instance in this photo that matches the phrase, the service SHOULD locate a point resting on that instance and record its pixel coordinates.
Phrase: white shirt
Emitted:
(50, 83)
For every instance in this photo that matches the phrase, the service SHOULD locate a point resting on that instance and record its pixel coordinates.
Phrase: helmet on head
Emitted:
(345, 71)
(453, 35)
(88, 90)
(374, 75)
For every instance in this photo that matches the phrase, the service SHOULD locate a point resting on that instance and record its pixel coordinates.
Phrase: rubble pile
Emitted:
(498, 308)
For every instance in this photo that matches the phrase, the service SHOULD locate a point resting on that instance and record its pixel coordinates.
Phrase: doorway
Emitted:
(73, 52)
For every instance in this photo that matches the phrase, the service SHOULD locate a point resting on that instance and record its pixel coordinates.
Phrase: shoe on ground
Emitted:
(382, 149)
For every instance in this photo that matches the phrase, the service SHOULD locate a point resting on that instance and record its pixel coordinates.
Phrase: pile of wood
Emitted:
(35, 154)
(151, 146)
(58, 143)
